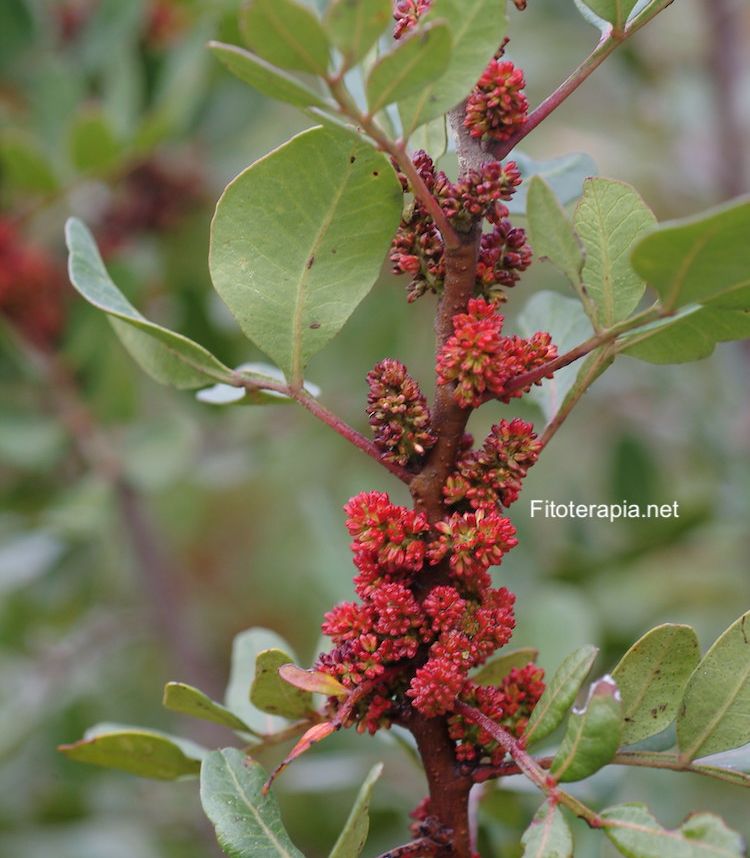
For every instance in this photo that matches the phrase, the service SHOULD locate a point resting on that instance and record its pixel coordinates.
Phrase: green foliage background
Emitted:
(246, 503)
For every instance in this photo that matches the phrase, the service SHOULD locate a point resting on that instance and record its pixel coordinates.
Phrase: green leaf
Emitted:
(283, 253)
(93, 145)
(593, 734)
(615, 12)
(432, 137)
(264, 77)
(352, 839)
(715, 712)
(285, 33)
(24, 164)
(248, 824)
(560, 693)
(636, 833)
(477, 29)
(548, 836)
(142, 752)
(416, 60)
(610, 218)
(166, 356)
(551, 232)
(700, 259)
(355, 25)
(246, 648)
(498, 668)
(179, 697)
(565, 175)
(271, 694)
(652, 676)
(691, 334)
(565, 320)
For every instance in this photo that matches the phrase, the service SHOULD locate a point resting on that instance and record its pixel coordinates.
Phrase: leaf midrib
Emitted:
(299, 303)
(246, 801)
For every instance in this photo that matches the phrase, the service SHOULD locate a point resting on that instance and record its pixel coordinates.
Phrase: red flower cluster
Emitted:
(497, 106)
(418, 249)
(401, 622)
(503, 254)
(482, 362)
(406, 14)
(151, 198)
(492, 476)
(32, 289)
(509, 704)
(398, 413)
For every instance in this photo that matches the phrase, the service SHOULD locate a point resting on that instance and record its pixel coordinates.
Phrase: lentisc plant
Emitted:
(298, 240)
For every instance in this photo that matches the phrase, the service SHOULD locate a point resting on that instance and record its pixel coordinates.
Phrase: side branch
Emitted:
(529, 766)
(326, 416)
(608, 44)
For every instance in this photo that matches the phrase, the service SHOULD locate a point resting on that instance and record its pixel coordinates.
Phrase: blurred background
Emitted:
(141, 530)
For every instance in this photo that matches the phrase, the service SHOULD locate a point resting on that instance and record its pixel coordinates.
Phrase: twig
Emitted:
(528, 765)
(607, 45)
(398, 151)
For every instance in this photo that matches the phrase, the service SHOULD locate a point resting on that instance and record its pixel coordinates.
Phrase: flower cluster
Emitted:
(398, 412)
(508, 704)
(152, 197)
(402, 622)
(406, 14)
(492, 476)
(481, 362)
(418, 248)
(497, 106)
(32, 288)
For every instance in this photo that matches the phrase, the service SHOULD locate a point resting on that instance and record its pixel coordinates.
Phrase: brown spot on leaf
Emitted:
(310, 262)
(314, 326)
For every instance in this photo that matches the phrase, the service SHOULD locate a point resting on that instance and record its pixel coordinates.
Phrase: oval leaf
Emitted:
(285, 33)
(354, 25)
(284, 256)
(352, 839)
(700, 259)
(690, 334)
(179, 697)
(498, 668)
(635, 832)
(652, 676)
(566, 322)
(477, 29)
(266, 78)
(312, 680)
(593, 734)
(416, 60)
(270, 693)
(245, 650)
(610, 218)
(551, 232)
(166, 356)
(142, 752)
(615, 12)
(560, 693)
(564, 175)
(548, 836)
(247, 822)
(715, 712)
